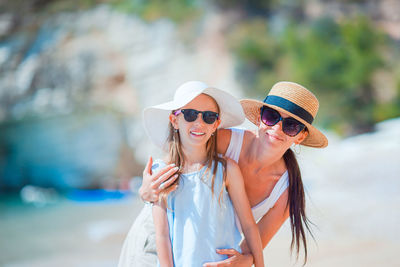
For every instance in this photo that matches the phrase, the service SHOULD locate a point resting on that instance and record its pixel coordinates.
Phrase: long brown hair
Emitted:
(175, 155)
(296, 201)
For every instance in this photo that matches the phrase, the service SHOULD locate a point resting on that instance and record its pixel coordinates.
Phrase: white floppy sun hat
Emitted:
(156, 118)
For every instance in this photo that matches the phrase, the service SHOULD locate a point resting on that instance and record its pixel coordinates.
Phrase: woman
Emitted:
(271, 173)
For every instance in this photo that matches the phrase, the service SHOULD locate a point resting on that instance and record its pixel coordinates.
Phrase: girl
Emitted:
(195, 216)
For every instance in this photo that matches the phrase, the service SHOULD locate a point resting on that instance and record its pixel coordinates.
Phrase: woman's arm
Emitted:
(271, 221)
(234, 259)
(150, 187)
(237, 193)
(163, 243)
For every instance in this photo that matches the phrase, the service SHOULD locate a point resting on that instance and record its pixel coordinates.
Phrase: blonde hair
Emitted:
(175, 155)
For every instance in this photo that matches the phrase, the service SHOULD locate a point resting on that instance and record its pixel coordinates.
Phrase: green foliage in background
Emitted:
(257, 53)
(339, 62)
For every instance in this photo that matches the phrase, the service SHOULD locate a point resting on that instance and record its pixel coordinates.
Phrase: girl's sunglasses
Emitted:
(190, 115)
(290, 126)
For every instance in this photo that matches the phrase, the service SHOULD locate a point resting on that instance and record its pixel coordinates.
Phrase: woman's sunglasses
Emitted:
(290, 126)
(190, 115)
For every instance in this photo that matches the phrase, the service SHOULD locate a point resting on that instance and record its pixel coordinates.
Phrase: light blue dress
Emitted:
(198, 223)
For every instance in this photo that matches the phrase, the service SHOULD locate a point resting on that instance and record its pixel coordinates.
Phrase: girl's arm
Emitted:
(237, 193)
(163, 243)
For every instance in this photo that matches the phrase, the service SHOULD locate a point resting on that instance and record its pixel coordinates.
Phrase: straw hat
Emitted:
(156, 118)
(294, 100)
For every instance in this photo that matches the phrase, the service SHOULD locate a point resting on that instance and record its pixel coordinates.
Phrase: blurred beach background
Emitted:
(75, 76)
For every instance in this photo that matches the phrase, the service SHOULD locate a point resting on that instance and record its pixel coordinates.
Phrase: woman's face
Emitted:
(197, 132)
(274, 135)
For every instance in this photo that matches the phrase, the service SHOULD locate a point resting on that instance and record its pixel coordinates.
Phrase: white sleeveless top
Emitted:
(259, 210)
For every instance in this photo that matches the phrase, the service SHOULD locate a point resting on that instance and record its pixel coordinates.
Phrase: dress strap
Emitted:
(264, 206)
(235, 145)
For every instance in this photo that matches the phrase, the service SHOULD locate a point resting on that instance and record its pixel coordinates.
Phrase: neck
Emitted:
(194, 155)
(266, 155)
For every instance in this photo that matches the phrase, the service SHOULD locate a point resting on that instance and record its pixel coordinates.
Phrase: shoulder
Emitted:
(248, 138)
(232, 170)
(223, 140)
(249, 135)
(231, 165)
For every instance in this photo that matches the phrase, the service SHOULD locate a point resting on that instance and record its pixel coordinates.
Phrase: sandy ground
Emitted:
(87, 234)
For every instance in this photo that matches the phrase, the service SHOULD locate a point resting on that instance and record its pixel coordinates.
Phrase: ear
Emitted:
(174, 121)
(301, 136)
(216, 124)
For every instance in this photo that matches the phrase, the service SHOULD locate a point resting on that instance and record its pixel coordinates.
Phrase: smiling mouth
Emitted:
(197, 133)
(275, 137)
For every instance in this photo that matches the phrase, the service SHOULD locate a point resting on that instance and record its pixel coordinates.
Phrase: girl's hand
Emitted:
(234, 259)
(150, 187)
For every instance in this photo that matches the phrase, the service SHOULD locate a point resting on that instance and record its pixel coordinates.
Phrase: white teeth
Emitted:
(197, 133)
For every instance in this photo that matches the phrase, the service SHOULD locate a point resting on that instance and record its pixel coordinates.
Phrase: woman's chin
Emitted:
(272, 140)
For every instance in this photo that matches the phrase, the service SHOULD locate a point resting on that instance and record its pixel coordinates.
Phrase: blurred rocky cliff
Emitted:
(72, 89)
(75, 76)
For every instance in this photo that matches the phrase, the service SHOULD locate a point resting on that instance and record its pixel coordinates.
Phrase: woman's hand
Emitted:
(234, 259)
(153, 183)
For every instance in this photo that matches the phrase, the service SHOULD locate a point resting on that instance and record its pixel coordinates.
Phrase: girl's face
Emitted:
(197, 132)
(274, 135)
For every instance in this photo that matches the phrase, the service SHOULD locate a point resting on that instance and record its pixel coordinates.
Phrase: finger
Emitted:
(169, 181)
(148, 166)
(162, 171)
(210, 264)
(217, 263)
(229, 251)
(164, 177)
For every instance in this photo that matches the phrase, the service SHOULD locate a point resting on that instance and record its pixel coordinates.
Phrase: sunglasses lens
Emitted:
(190, 114)
(292, 127)
(210, 117)
(269, 116)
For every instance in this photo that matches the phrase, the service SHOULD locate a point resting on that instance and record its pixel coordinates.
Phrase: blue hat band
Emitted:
(290, 107)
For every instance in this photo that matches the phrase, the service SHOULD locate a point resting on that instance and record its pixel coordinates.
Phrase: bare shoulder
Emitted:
(231, 165)
(223, 140)
(248, 138)
(249, 135)
(233, 172)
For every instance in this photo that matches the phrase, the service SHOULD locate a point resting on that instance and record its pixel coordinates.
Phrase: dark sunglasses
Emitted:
(190, 115)
(290, 126)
